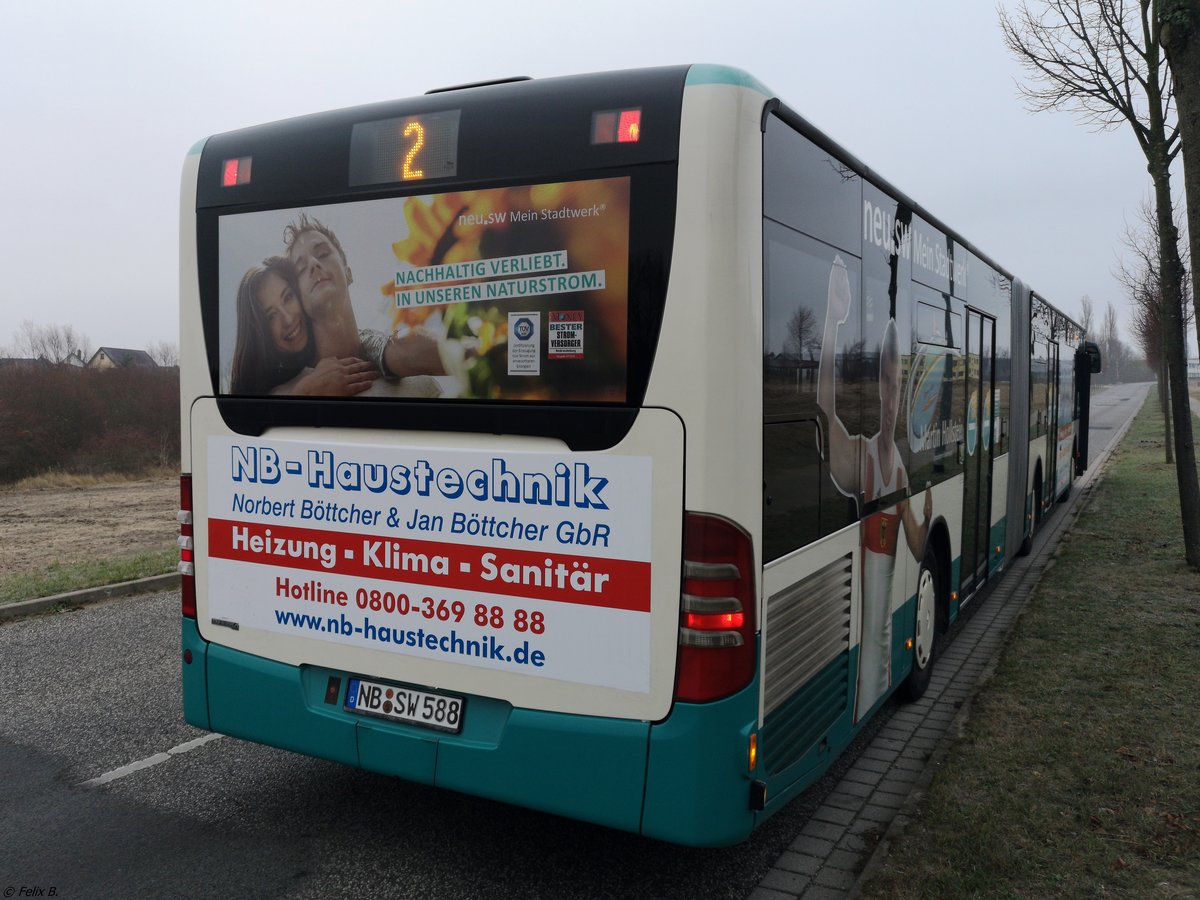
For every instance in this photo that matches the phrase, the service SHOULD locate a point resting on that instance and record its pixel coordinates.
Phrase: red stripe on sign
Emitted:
(561, 577)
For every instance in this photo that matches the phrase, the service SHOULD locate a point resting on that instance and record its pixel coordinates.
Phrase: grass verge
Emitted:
(56, 479)
(62, 577)
(1078, 771)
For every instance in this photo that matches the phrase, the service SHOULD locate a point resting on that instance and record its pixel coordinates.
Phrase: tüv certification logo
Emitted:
(525, 344)
(523, 330)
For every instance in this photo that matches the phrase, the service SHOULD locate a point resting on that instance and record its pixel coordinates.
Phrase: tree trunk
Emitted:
(1179, 22)
(1174, 346)
(1165, 405)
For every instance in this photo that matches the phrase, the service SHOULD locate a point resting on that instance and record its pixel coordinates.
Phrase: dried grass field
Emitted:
(42, 526)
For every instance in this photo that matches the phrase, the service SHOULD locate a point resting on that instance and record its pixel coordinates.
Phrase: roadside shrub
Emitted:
(87, 420)
(123, 450)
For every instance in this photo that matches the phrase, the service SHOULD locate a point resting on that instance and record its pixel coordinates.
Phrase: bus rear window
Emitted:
(508, 294)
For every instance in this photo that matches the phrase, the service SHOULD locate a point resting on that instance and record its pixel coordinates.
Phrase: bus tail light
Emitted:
(717, 647)
(187, 563)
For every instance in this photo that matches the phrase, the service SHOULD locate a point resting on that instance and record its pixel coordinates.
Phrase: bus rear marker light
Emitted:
(236, 171)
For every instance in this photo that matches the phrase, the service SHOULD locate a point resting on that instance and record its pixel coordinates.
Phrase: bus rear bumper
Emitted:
(583, 767)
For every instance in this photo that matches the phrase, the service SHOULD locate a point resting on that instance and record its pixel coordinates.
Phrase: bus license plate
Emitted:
(440, 711)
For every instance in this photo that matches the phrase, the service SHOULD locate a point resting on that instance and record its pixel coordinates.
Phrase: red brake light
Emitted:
(236, 171)
(187, 565)
(713, 622)
(718, 648)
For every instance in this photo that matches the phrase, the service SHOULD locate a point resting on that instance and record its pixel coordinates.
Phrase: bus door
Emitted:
(977, 487)
(1052, 419)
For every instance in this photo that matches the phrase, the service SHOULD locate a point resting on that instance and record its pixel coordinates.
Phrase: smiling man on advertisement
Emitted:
(324, 277)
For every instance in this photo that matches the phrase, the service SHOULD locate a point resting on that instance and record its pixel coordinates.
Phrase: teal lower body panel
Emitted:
(194, 676)
(999, 535)
(806, 733)
(955, 600)
(579, 766)
(904, 628)
(698, 774)
(272, 703)
(584, 767)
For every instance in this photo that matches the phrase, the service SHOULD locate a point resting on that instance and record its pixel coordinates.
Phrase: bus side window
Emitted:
(793, 498)
(1039, 407)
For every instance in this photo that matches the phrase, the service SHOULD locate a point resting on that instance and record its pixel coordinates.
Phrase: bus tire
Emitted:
(1027, 543)
(1066, 494)
(925, 633)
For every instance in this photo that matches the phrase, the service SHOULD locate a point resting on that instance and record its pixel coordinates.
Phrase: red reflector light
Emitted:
(187, 583)
(236, 171)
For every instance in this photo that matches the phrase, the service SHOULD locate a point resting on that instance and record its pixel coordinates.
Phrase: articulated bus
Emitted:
(611, 445)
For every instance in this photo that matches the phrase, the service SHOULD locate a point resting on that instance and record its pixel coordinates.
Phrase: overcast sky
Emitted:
(101, 102)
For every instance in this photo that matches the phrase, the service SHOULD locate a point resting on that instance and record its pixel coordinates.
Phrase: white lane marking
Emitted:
(148, 761)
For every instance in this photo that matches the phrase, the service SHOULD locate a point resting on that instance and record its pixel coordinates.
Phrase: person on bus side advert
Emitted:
(324, 276)
(871, 467)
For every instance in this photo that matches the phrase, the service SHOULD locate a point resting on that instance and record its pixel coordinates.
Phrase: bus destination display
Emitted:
(405, 149)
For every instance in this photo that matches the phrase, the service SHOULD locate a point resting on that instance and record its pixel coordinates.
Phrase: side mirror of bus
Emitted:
(1092, 352)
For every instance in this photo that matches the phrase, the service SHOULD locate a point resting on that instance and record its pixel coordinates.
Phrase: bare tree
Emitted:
(802, 336)
(1110, 337)
(1087, 316)
(1102, 60)
(1180, 24)
(1143, 286)
(52, 342)
(165, 353)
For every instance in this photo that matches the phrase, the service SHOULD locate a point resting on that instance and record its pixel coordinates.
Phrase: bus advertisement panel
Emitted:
(516, 293)
(531, 563)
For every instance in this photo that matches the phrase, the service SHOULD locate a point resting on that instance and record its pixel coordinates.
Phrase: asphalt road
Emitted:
(91, 691)
(1110, 409)
(87, 693)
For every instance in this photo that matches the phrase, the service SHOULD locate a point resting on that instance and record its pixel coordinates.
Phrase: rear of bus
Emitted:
(524, 570)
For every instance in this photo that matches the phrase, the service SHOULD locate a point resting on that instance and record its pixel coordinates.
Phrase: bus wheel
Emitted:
(1027, 543)
(925, 643)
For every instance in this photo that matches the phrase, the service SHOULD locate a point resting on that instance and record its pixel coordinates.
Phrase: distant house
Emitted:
(73, 359)
(118, 358)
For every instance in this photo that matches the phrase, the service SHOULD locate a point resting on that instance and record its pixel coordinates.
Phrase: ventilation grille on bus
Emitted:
(807, 667)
